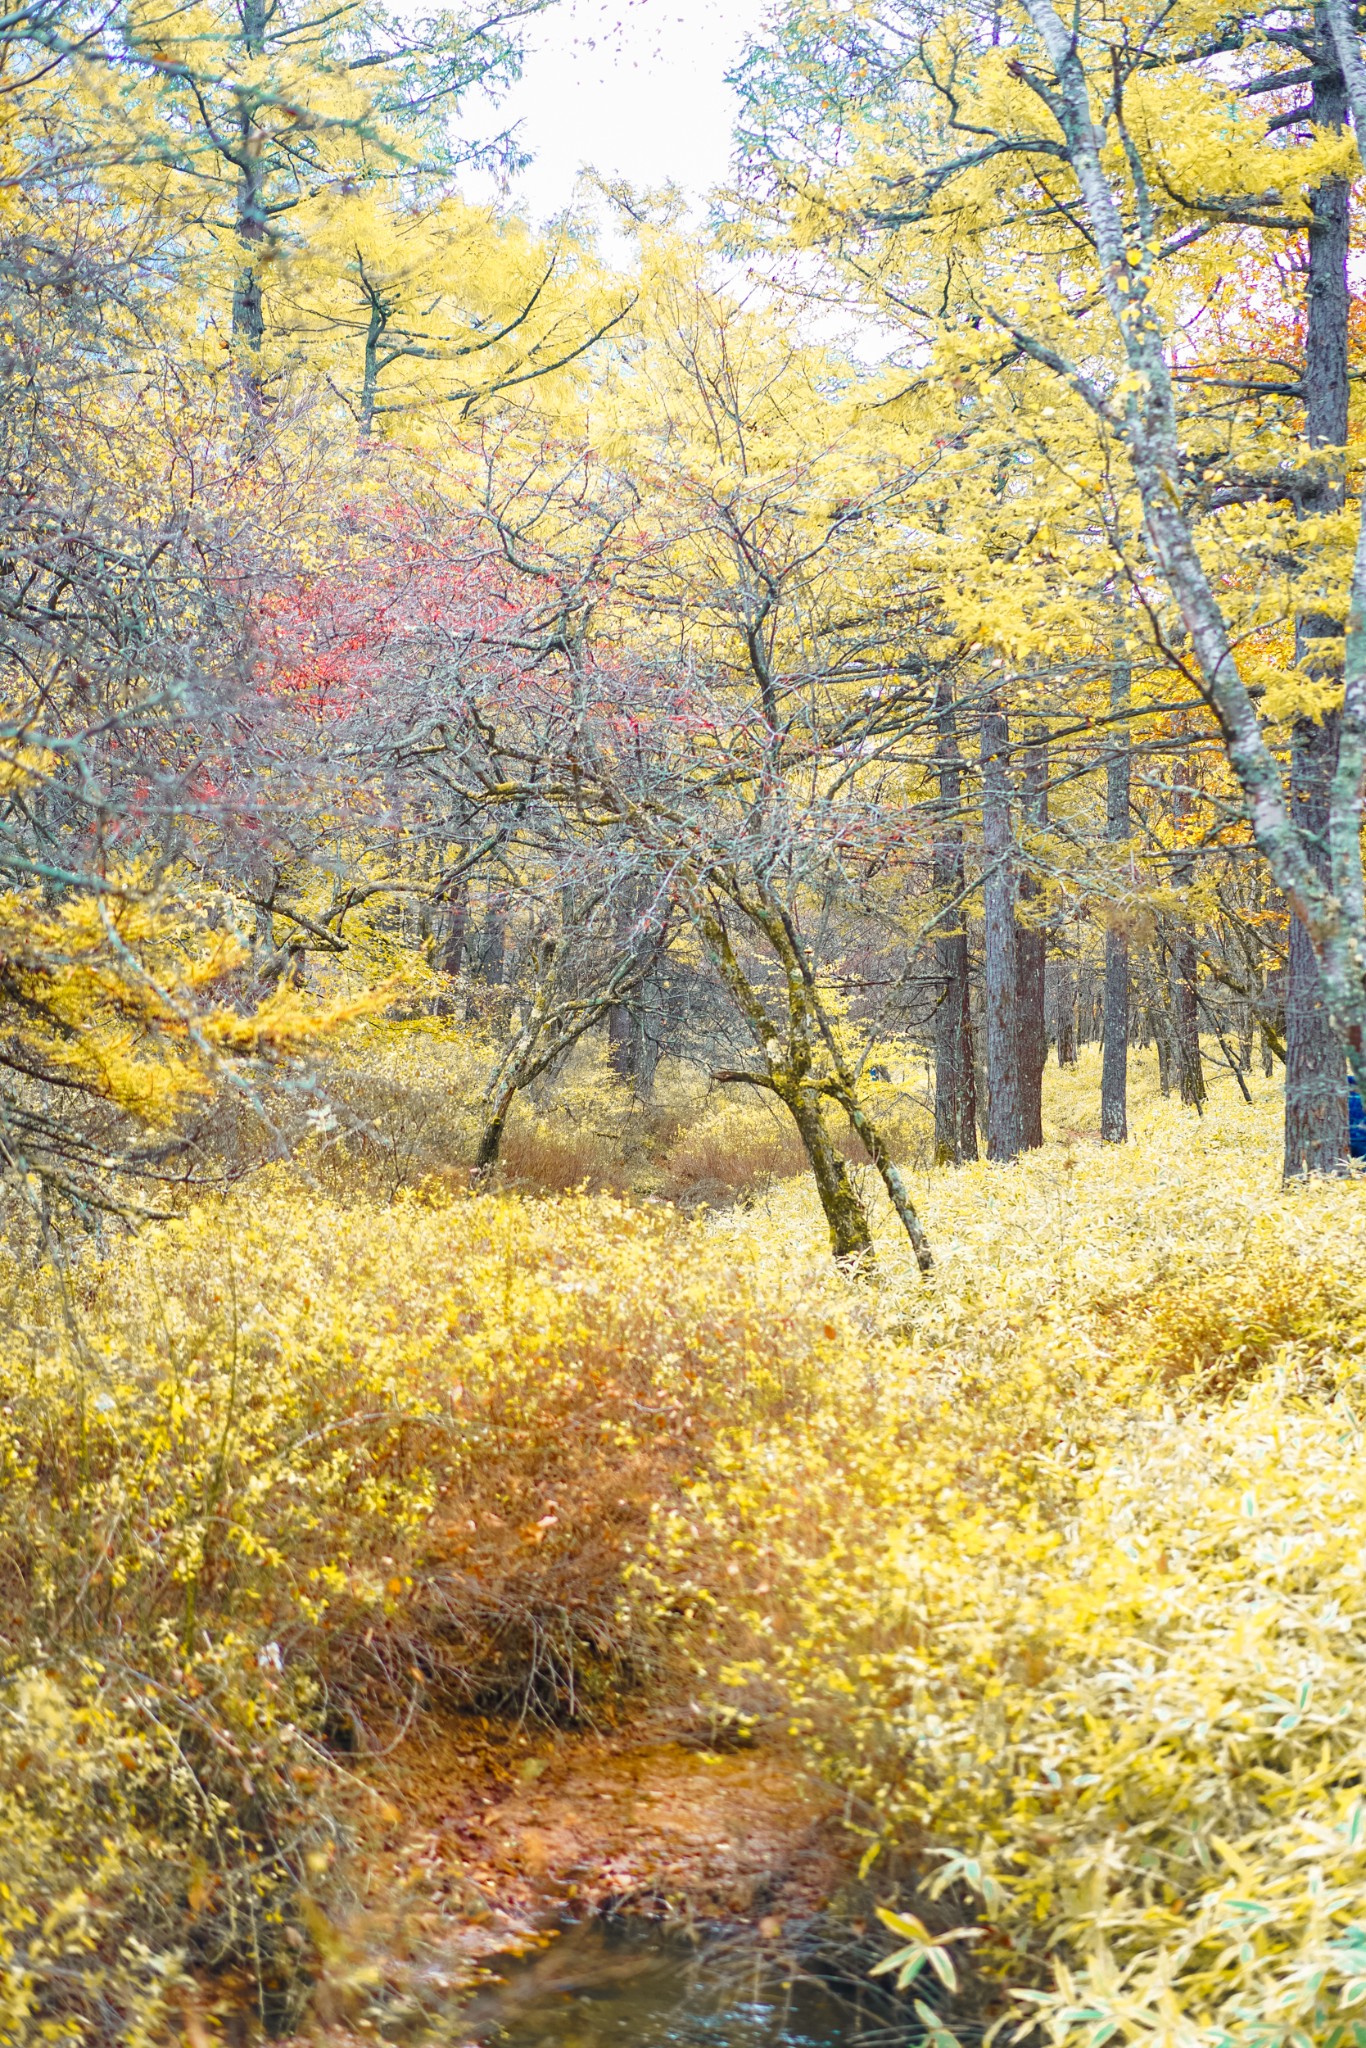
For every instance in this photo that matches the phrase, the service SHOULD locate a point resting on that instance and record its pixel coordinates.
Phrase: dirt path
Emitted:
(474, 1842)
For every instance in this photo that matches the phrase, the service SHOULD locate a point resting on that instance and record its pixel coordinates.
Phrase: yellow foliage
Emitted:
(1064, 1584)
(1051, 1560)
(273, 1469)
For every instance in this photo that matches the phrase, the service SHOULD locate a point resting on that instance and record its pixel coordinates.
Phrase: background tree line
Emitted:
(939, 640)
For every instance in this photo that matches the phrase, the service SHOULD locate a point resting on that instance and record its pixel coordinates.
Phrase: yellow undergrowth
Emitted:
(278, 1472)
(1053, 1562)
(1065, 1587)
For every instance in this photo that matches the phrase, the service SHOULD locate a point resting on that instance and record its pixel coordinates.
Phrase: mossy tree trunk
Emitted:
(804, 1064)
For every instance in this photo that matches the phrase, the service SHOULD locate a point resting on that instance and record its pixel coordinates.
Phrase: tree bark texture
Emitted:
(621, 1041)
(1066, 1013)
(450, 950)
(1005, 1125)
(253, 221)
(789, 1058)
(1030, 954)
(850, 1237)
(955, 1086)
(1185, 968)
(1186, 1009)
(1114, 1070)
(1316, 1139)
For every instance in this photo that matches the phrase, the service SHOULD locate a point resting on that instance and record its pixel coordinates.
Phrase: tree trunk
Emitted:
(1190, 1072)
(1005, 1130)
(630, 1054)
(1165, 1062)
(1186, 1011)
(788, 1065)
(1067, 1013)
(491, 1137)
(450, 952)
(621, 1041)
(375, 325)
(1114, 1072)
(1316, 1139)
(850, 1236)
(1030, 948)
(955, 1088)
(1149, 426)
(253, 220)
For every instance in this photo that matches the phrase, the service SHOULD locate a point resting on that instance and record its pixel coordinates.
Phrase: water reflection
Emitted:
(602, 1985)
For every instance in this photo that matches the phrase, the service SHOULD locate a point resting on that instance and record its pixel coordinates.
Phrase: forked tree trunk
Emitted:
(1005, 1132)
(1114, 1072)
(792, 1059)
(788, 1058)
(955, 1087)
(1030, 951)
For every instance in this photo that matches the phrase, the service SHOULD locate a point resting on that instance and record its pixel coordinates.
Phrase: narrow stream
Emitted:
(601, 1985)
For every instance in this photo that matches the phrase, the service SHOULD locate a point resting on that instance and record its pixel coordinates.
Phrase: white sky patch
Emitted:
(634, 89)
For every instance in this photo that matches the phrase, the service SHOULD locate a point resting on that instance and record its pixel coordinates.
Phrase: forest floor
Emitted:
(664, 1481)
(477, 1840)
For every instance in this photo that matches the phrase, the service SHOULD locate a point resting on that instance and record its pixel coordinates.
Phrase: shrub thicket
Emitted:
(278, 1471)
(1065, 1587)
(1053, 1562)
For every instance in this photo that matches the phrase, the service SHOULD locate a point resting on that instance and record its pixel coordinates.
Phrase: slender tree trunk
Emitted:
(788, 1059)
(891, 1175)
(1336, 915)
(491, 1137)
(621, 1041)
(1186, 1009)
(1316, 1139)
(1005, 1128)
(253, 221)
(1165, 1062)
(627, 1052)
(1030, 956)
(1158, 1007)
(450, 954)
(1114, 1072)
(1190, 1072)
(1067, 1012)
(955, 1088)
(449, 959)
(369, 384)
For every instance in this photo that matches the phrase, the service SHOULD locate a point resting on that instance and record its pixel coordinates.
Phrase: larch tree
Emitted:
(1073, 201)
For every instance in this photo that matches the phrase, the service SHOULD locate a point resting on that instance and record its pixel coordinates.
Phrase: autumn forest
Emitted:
(682, 967)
